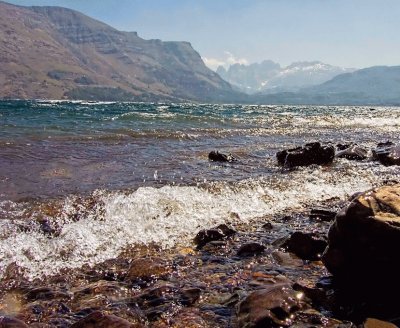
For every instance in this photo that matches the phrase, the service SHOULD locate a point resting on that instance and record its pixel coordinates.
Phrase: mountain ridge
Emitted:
(57, 53)
(270, 77)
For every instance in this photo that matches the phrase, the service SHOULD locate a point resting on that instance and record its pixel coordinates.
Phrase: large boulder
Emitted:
(364, 240)
(387, 153)
(311, 153)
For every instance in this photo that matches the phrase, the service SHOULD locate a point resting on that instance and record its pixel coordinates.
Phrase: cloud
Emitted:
(229, 60)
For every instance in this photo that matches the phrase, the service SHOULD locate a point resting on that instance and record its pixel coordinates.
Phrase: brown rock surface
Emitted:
(365, 236)
(273, 306)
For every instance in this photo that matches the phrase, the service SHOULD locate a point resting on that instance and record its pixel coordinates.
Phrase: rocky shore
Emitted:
(332, 265)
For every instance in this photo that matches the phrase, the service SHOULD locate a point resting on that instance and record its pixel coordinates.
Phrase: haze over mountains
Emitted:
(58, 53)
(270, 77)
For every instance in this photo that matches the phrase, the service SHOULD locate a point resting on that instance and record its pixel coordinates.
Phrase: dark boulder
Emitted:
(311, 153)
(216, 156)
(351, 152)
(220, 232)
(273, 306)
(387, 153)
(250, 249)
(365, 237)
(306, 245)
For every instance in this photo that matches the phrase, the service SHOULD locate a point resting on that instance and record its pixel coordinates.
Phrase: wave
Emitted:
(167, 216)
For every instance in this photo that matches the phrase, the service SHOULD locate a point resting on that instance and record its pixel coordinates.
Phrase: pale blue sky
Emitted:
(349, 33)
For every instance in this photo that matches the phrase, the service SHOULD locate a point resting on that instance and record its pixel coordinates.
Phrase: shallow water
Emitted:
(105, 176)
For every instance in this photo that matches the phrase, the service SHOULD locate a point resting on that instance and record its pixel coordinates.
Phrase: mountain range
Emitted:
(58, 53)
(270, 77)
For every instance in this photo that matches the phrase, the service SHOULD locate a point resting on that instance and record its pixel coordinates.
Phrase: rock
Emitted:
(364, 239)
(322, 214)
(148, 268)
(216, 156)
(352, 152)
(98, 319)
(6, 322)
(387, 153)
(375, 323)
(273, 306)
(218, 233)
(251, 249)
(306, 245)
(268, 226)
(311, 153)
(188, 296)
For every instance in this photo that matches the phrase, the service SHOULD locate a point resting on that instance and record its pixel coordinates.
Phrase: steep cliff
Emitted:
(55, 53)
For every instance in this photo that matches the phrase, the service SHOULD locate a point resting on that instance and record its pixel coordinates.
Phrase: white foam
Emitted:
(172, 215)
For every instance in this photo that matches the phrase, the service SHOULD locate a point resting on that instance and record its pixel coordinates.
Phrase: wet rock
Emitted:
(375, 323)
(322, 214)
(216, 156)
(311, 153)
(274, 306)
(6, 322)
(250, 249)
(189, 295)
(45, 293)
(365, 237)
(98, 319)
(221, 232)
(268, 226)
(306, 245)
(148, 268)
(352, 152)
(387, 153)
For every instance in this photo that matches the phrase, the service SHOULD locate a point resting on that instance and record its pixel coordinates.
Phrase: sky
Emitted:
(346, 33)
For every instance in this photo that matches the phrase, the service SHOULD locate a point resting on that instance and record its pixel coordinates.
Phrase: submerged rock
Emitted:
(351, 152)
(306, 245)
(311, 153)
(98, 319)
(364, 240)
(273, 306)
(387, 153)
(216, 156)
(148, 268)
(375, 323)
(218, 233)
(6, 322)
(322, 214)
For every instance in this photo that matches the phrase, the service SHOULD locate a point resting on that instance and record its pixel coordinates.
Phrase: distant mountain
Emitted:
(378, 85)
(249, 77)
(269, 77)
(56, 53)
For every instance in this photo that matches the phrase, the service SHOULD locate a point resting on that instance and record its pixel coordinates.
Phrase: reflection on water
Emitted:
(50, 149)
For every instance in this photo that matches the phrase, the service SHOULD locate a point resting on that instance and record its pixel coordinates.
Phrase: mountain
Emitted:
(269, 77)
(378, 85)
(249, 77)
(56, 53)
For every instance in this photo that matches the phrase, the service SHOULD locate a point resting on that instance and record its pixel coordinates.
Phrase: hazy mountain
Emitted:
(52, 52)
(379, 85)
(269, 77)
(249, 77)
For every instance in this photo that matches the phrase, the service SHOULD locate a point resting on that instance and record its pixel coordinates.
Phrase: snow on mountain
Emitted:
(269, 77)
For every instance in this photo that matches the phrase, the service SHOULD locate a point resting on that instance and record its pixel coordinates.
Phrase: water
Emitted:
(109, 175)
